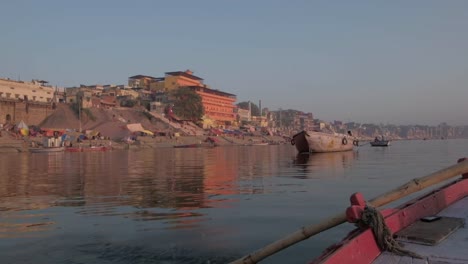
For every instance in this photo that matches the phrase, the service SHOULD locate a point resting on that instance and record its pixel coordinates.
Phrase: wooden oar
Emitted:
(412, 186)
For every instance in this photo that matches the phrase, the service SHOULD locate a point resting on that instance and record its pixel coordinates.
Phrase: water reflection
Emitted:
(168, 185)
(316, 165)
(188, 206)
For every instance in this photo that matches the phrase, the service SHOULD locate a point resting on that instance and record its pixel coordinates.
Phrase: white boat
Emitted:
(313, 141)
(47, 149)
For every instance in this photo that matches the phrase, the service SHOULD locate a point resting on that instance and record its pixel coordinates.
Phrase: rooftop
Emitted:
(185, 74)
(142, 77)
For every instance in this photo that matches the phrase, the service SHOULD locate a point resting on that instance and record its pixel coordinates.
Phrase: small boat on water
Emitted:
(49, 144)
(428, 229)
(46, 149)
(196, 145)
(87, 149)
(209, 142)
(313, 141)
(259, 144)
(380, 142)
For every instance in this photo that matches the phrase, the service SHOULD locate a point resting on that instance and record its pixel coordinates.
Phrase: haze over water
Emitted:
(192, 205)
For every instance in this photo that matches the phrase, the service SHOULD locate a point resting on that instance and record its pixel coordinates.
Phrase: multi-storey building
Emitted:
(174, 80)
(31, 102)
(81, 94)
(142, 81)
(35, 91)
(219, 106)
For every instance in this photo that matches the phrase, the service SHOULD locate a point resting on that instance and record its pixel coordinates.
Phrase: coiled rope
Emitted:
(372, 218)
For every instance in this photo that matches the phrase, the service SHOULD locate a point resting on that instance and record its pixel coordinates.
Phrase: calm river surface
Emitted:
(192, 205)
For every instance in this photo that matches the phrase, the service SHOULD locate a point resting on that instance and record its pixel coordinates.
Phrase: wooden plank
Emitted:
(419, 261)
(430, 233)
(386, 258)
(438, 260)
(406, 260)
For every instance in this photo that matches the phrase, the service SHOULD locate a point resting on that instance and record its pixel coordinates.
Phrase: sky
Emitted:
(386, 62)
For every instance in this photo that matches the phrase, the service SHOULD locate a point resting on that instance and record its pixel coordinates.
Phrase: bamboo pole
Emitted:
(412, 186)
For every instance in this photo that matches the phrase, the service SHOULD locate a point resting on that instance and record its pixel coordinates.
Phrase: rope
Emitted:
(372, 218)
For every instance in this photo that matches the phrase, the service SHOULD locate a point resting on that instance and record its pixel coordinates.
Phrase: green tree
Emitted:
(187, 104)
(254, 107)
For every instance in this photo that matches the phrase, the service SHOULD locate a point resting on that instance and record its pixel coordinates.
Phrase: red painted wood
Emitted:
(360, 246)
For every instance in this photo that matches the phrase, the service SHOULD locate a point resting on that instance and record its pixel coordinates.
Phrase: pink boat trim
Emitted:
(360, 246)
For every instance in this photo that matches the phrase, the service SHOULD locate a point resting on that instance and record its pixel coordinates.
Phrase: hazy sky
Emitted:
(398, 62)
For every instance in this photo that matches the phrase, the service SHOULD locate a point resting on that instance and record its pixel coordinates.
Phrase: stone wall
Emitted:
(32, 113)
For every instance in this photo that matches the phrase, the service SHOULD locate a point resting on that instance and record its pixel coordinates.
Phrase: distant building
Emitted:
(141, 81)
(30, 102)
(175, 80)
(244, 114)
(218, 106)
(35, 91)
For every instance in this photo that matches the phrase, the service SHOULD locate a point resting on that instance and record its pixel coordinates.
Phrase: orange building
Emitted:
(175, 80)
(219, 106)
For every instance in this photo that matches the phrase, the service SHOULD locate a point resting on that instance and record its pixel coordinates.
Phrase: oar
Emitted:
(412, 186)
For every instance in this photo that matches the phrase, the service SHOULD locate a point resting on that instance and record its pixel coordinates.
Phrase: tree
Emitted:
(254, 107)
(187, 104)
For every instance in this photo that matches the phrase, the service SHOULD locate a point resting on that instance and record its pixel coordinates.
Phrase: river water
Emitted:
(192, 205)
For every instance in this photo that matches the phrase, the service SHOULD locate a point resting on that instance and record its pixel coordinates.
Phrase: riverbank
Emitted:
(11, 143)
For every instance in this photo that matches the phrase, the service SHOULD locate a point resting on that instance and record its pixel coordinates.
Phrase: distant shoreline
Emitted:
(9, 143)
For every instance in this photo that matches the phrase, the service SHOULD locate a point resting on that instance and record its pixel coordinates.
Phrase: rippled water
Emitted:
(191, 205)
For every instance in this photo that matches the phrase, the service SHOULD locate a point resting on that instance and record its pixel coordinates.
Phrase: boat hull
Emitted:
(360, 245)
(384, 143)
(196, 146)
(316, 142)
(87, 149)
(46, 150)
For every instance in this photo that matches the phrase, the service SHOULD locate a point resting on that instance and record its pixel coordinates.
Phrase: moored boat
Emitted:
(46, 149)
(88, 149)
(199, 145)
(259, 144)
(313, 141)
(427, 229)
(380, 142)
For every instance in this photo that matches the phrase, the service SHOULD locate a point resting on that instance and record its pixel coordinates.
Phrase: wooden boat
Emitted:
(380, 142)
(87, 149)
(46, 149)
(430, 227)
(313, 141)
(196, 145)
(259, 144)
